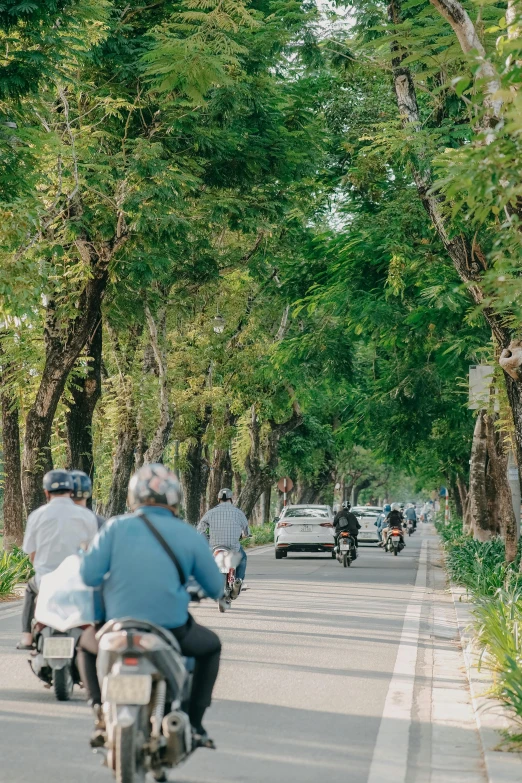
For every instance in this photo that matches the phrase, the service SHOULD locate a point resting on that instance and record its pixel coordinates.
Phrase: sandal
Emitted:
(21, 646)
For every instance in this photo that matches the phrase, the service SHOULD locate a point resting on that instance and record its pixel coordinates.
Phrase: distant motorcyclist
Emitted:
(346, 520)
(140, 581)
(380, 522)
(226, 525)
(83, 491)
(394, 519)
(53, 532)
(411, 514)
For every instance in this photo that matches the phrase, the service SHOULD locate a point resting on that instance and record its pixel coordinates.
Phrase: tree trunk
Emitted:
(158, 338)
(195, 473)
(358, 488)
(464, 503)
(85, 393)
(477, 482)
(219, 473)
(455, 496)
(498, 461)
(238, 483)
(12, 478)
(265, 505)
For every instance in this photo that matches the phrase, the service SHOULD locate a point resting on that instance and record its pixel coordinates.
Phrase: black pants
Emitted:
(31, 594)
(195, 641)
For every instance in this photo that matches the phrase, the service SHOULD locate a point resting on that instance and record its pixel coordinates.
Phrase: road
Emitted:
(328, 673)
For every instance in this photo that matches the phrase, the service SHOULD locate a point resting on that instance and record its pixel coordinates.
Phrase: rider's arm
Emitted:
(96, 562)
(205, 570)
(245, 530)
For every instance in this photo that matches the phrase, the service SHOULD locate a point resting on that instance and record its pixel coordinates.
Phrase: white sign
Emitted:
(480, 380)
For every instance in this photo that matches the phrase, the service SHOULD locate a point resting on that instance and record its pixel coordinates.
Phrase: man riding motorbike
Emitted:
(83, 491)
(394, 519)
(140, 581)
(410, 513)
(346, 520)
(226, 525)
(380, 522)
(53, 532)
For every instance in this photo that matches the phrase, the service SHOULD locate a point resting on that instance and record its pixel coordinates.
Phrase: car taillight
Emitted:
(284, 524)
(326, 524)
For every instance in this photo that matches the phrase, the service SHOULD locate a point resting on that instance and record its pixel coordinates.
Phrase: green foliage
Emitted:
(261, 534)
(14, 568)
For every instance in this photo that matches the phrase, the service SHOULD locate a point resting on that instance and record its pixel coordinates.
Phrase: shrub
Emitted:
(261, 534)
(13, 569)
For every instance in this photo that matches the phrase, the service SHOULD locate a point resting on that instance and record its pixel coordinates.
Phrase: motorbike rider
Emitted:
(53, 532)
(346, 520)
(83, 491)
(226, 525)
(380, 522)
(410, 513)
(140, 581)
(394, 519)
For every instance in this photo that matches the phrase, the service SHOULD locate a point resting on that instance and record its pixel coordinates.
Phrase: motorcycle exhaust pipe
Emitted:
(176, 729)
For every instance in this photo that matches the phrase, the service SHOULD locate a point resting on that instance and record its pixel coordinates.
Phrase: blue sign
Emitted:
(443, 492)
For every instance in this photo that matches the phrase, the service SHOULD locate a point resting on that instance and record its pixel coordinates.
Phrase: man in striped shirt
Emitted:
(226, 525)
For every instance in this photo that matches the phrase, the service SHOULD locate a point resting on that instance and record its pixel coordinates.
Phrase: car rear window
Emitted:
(307, 512)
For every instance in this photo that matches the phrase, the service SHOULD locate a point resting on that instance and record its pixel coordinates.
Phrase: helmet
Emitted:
(395, 507)
(225, 494)
(387, 508)
(154, 483)
(347, 505)
(82, 484)
(58, 481)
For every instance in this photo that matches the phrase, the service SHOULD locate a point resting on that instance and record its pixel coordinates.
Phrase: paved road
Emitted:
(317, 682)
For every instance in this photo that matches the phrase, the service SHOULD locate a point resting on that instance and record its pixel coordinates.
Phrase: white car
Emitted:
(305, 528)
(367, 515)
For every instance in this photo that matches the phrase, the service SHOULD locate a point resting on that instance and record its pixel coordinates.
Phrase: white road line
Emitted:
(390, 756)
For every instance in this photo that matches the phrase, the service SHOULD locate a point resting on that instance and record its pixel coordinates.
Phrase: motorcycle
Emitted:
(345, 550)
(410, 526)
(227, 560)
(146, 684)
(395, 541)
(54, 659)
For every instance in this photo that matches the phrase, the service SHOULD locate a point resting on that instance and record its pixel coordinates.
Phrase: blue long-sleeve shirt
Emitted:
(139, 578)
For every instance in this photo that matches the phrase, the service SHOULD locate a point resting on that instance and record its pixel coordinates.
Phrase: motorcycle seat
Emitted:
(129, 623)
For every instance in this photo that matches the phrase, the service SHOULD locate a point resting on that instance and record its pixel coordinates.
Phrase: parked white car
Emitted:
(304, 528)
(367, 515)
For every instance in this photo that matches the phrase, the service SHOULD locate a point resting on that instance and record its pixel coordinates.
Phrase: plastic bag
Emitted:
(64, 600)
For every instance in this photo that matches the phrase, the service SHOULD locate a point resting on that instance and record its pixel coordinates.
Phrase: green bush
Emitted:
(26, 567)
(261, 534)
(13, 569)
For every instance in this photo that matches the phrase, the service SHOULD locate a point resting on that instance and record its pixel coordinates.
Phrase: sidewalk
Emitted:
(490, 715)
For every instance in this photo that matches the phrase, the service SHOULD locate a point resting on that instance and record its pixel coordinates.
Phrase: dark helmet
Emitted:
(154, 483)
(347, 505)
(225, 494)
(58, 481)
(82, 484)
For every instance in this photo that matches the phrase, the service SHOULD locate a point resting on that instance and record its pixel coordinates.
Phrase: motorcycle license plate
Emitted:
(396, 538)
(306, 528)
(58, 647)
(127, 688)
(345, 545)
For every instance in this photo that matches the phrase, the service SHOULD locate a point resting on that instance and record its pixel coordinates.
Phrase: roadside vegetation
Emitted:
(495, 589)
(15, 567)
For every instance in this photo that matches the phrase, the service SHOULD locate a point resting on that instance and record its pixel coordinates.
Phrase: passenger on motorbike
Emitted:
(83, 491)
(140, 581)
(53, 532)
(380, 522)
(226, 525)
(346, 520)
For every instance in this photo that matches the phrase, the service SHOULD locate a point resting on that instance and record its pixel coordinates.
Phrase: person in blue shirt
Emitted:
(140, 581)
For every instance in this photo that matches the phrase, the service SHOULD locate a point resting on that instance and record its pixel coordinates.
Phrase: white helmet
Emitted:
(395, 507)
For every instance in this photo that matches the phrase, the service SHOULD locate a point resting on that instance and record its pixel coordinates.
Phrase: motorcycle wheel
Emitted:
(63, 683)
(395, 550)
(129, 766)
(347, 560)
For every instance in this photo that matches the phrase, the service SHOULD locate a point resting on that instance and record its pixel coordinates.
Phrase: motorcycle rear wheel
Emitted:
(395, 550)
(347, 560)
(63, 683)
(129, 768)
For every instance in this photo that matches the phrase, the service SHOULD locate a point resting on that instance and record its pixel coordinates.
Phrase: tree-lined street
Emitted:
(311, 684)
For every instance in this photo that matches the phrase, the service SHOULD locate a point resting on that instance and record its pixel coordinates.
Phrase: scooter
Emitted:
(146, 684)
(345, 551)
(410, 526)
(227, 561)
(54, 659)
(395, 541)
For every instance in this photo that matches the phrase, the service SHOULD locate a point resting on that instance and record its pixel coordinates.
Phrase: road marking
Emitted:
(390, 755)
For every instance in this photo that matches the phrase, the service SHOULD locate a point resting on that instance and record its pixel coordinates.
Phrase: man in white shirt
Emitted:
(53, 532)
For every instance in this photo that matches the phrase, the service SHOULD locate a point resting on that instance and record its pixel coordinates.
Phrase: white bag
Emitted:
(64, 600)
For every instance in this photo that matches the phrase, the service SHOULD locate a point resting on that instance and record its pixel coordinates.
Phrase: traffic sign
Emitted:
(285, 484)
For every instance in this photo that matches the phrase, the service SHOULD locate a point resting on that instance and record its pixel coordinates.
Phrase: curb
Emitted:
(490, 715)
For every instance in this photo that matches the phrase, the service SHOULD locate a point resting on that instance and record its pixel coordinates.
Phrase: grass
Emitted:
(496, 590)
(261, 534)
(15, 567)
